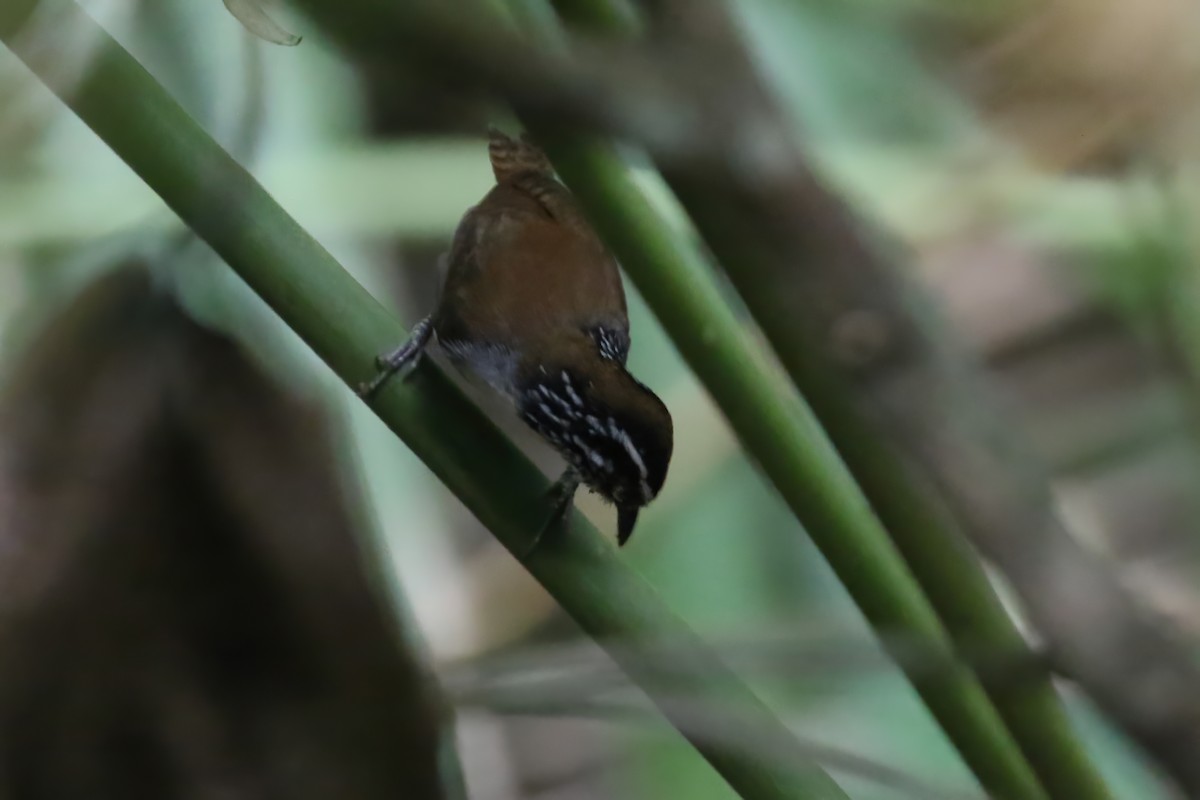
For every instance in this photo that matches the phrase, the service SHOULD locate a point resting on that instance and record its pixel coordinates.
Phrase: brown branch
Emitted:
(655, 94)
(872, 358)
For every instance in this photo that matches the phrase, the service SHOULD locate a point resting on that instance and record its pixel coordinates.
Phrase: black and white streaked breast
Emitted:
(613, 453)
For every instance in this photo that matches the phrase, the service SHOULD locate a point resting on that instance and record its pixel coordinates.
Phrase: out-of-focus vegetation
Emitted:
(1035, 161)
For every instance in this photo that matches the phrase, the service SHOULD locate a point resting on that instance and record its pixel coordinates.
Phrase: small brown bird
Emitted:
(533, 305)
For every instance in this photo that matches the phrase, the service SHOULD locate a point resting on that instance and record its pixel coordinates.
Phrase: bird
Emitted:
(533, 305)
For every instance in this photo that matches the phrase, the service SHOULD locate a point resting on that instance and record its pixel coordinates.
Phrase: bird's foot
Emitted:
(403, 356)
(560, 496)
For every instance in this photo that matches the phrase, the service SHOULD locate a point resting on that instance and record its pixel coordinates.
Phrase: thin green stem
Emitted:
(685, 298)
(781, 434)
(346, 327)
(946, 567)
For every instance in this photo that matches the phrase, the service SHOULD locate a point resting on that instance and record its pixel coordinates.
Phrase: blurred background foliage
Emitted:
(1036, 157)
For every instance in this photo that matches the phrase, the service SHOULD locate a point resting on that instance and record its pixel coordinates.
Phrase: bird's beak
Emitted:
(626, 519)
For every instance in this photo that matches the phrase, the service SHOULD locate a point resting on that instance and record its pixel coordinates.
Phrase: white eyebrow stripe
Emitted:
(627, 443)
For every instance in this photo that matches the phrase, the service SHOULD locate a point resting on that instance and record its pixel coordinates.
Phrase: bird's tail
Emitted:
(512, 157)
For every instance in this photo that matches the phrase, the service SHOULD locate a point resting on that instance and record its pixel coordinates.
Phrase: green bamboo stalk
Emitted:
(782, 436)
(346, 327)
(947, 568)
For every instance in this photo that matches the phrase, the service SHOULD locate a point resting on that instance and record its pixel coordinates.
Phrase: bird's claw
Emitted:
(388, 364)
